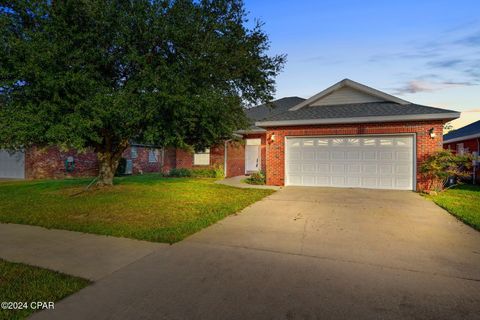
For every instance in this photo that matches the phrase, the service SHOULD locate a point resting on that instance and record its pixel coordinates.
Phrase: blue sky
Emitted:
(427, 52)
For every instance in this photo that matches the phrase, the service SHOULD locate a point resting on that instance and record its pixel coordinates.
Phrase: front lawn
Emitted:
(23, 283)
(463, 202)
(147, 207)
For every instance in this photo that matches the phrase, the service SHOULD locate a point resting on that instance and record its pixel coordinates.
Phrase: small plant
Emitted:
(442, 165)
(122, 165)
(214, 172)
(256, 178)
(180, 172)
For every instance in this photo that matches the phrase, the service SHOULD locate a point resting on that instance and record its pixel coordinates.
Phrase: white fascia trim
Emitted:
(250, 131)
(417, 117)
(351, 84)
(472, 136)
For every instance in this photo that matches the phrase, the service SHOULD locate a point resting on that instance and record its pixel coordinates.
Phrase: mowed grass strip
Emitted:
(24, 283)
(463, 202)
(147, 207)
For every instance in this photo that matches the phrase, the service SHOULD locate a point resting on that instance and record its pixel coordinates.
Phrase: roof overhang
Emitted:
(416, 117)
(471, 136)
(257, 130)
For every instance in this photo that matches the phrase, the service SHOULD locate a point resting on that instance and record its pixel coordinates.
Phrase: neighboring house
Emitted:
(51, 162)
(348, 135)
(464, 140)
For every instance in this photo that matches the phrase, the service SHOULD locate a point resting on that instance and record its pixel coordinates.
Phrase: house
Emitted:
(464, 140)
(348, 135)
(52, 162)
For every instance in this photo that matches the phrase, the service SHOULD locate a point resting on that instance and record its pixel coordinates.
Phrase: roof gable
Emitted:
(346, 92)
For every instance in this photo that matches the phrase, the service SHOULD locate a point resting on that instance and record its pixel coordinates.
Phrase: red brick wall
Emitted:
(184, 158)
(425, 144)
(469, 145)
(141, 163)
(235, 158)
(41, 163)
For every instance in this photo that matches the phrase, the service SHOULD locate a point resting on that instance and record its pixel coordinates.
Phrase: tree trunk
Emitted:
(109, 156)
(107, 168)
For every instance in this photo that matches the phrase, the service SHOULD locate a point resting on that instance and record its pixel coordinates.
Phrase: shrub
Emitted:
(256, 178)
(180, 172)
(442, 165)
(215, 172)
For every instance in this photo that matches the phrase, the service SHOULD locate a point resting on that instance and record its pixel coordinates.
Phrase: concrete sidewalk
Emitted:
(80, 254)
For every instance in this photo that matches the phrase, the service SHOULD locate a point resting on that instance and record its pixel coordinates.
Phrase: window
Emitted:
(133, 152)
(202, 158)
(152, 155)
(460, 149)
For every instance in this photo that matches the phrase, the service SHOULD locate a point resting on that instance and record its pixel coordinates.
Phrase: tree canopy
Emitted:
(102, 73)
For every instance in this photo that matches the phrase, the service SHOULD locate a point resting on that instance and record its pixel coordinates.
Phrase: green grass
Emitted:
(463, 202)
(23, 283)
(147, 207)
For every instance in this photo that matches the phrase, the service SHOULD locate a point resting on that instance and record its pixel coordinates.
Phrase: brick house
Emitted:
(348, 135)
(464, 140)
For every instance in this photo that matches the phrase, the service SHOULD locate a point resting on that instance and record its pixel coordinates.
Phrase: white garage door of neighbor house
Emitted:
(12, 165)
(378, 162)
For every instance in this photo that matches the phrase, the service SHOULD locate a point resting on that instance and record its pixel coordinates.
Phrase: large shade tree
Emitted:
(100, 74)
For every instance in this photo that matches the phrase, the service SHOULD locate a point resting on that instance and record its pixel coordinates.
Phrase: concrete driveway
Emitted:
(302, 253)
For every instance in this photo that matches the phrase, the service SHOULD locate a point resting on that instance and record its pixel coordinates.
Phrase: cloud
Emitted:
(415, 86)
(472, 40)
(446, 63)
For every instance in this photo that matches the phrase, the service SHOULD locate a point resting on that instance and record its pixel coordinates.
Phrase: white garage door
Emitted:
(12, 165)
(379, 162)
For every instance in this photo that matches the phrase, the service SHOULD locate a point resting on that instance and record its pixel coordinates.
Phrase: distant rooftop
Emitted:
(469, 131)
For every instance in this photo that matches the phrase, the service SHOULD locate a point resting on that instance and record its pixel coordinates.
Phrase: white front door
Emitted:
(12, 165)
(252, 155)
(379, 162)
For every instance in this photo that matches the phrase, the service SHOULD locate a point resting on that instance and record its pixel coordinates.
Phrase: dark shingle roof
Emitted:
(369, 109)
(471, 129)
(264, 111)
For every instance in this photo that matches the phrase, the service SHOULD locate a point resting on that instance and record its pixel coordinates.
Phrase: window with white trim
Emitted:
(133, 152)
(460, 149)
(152, 155)
(202, 158)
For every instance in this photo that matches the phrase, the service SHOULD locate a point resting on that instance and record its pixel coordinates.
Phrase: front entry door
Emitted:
(252, 155)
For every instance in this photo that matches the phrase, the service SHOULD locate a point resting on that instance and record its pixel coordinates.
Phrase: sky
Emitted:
(423, 51)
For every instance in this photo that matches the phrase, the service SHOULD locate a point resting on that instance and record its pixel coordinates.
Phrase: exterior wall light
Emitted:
(272, 137)
(432, 133)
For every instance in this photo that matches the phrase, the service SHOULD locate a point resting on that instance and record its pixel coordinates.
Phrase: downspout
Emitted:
(475, 167)
(225, 159)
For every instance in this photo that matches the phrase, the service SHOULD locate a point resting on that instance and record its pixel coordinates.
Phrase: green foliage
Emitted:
(211, 172)
(103, 73)
(442, 165)
(180, 172)
(256, 178)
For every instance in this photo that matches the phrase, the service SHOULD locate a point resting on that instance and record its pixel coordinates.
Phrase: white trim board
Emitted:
(433, 116)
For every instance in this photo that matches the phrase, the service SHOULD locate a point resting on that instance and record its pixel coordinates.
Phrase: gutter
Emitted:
(472, 136)
(417, 117)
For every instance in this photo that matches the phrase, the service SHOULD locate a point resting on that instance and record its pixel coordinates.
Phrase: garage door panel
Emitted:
(367, 162)
(12, 165)
(322, 155)
(323, 167)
